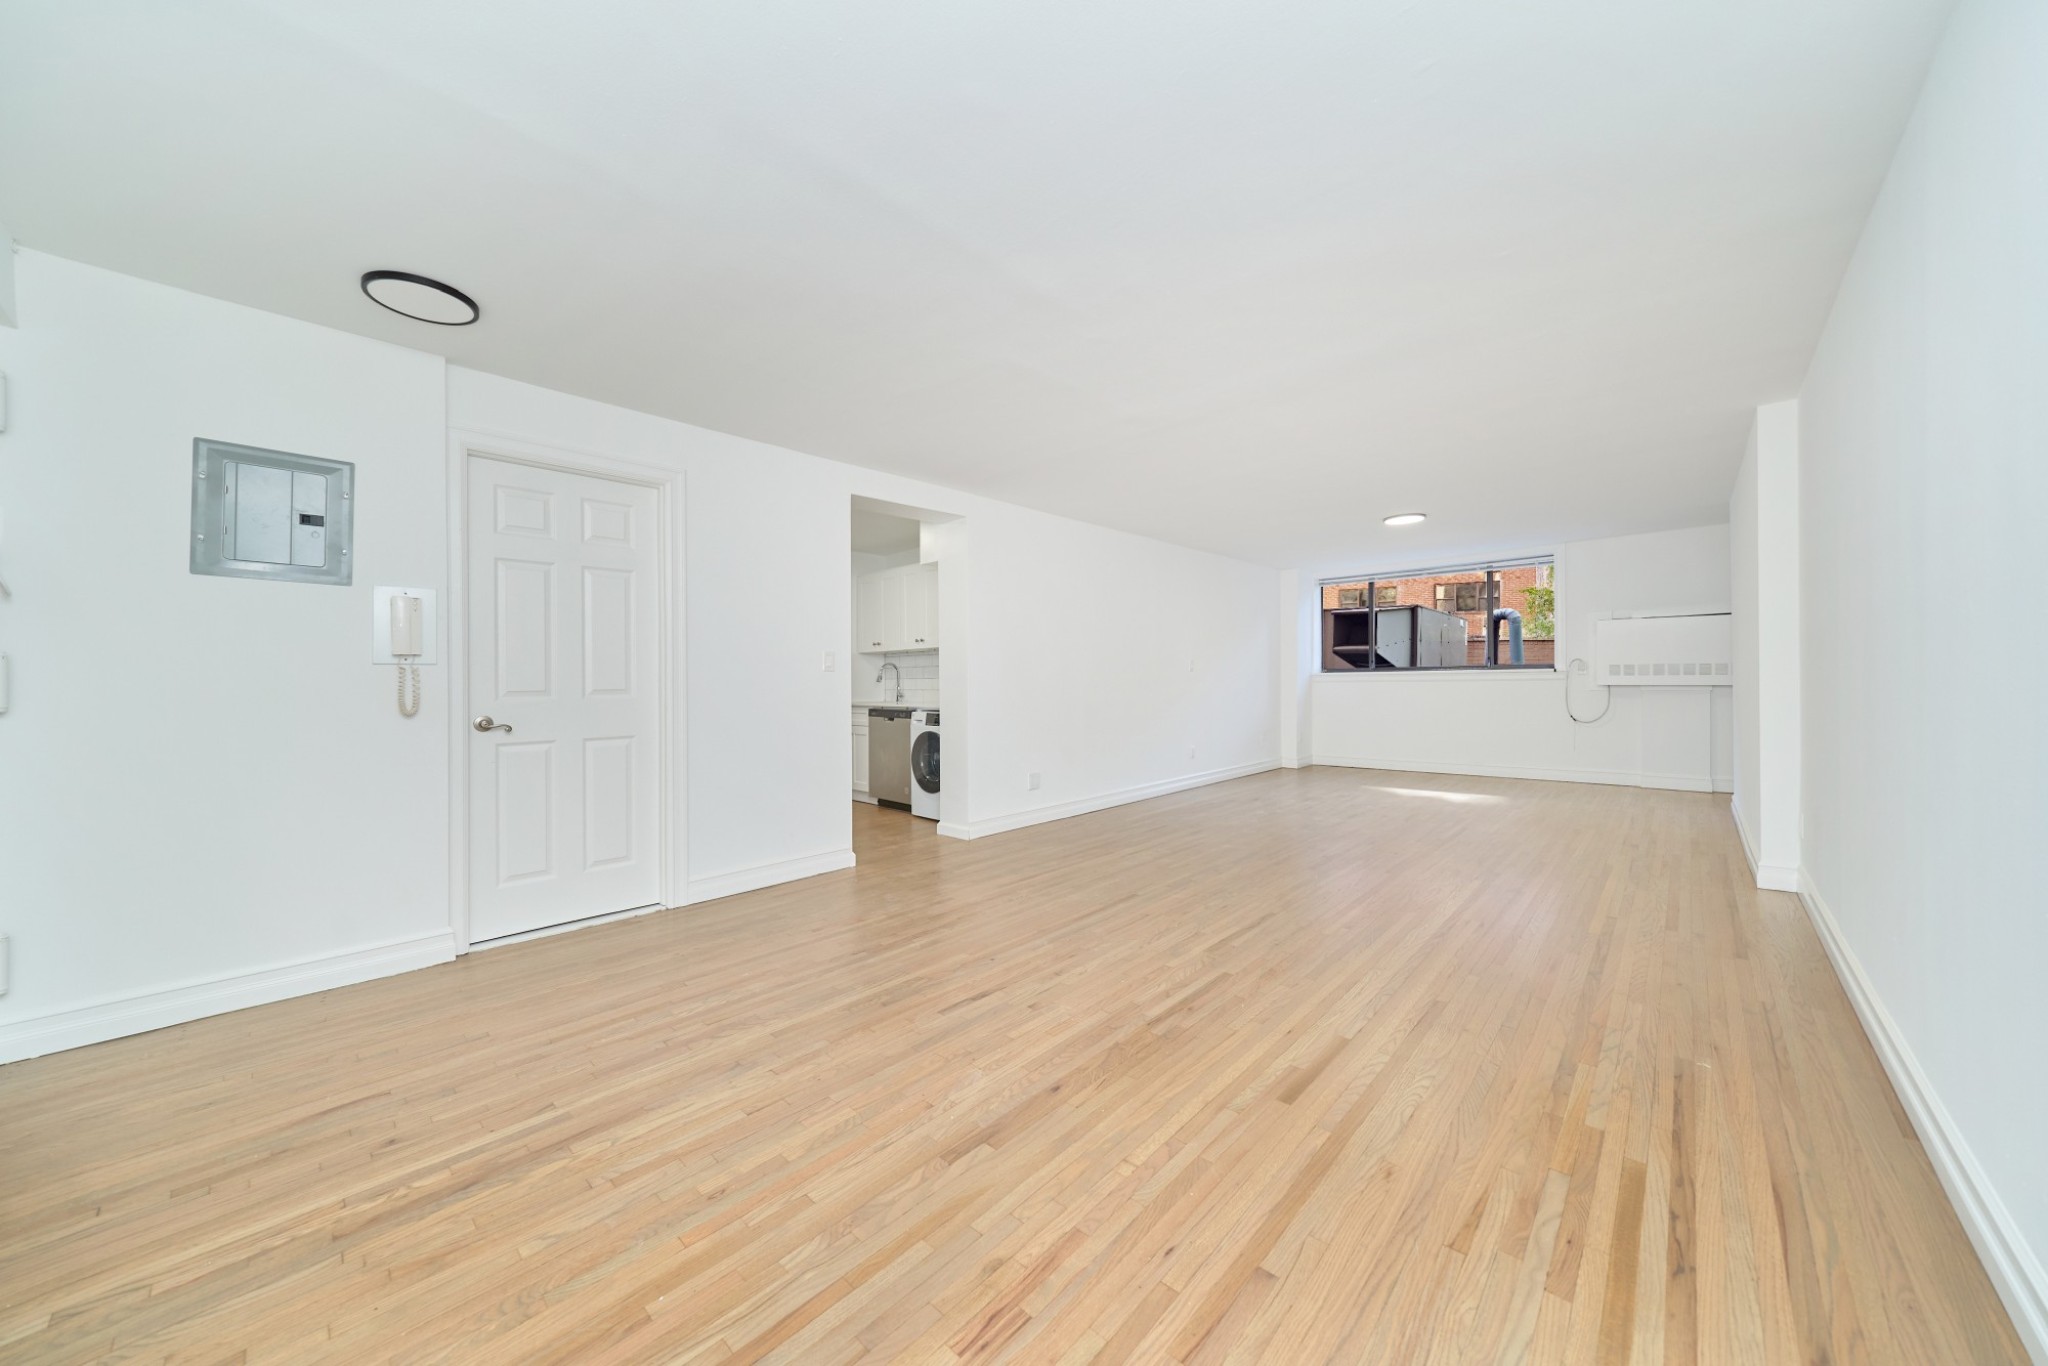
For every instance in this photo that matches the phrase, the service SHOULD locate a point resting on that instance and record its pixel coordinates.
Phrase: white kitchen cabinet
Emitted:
(898, 609)
(867, 614)
(921, 607)
(860, 750)
(895, 633)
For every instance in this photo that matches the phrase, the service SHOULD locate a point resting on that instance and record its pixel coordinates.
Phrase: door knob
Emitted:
(486, 723)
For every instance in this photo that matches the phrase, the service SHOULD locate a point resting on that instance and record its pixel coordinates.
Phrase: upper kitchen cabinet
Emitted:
(867, 612)
(898, 609)
(921, 608)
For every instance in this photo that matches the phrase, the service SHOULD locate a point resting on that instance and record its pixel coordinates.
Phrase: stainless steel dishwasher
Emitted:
(889, 756)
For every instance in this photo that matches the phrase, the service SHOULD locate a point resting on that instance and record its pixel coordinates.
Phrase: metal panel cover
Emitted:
(262, 514)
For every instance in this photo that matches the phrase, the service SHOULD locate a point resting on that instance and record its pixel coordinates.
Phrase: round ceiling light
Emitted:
(415, 296)
(1406, 518)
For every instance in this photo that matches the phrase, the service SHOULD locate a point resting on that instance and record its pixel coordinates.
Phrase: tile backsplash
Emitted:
(920, 679)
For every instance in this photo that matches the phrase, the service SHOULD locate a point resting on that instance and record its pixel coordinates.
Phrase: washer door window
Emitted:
(924, 761)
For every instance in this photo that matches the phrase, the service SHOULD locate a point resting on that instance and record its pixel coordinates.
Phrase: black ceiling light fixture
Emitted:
(419, 298)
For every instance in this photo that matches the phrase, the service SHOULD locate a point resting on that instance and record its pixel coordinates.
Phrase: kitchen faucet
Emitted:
(891, 664)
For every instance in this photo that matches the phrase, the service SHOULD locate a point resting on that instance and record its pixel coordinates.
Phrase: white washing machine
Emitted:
(924, 764)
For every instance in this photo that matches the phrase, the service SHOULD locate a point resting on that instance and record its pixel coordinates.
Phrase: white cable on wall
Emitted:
(411, 708)
(1570, 669)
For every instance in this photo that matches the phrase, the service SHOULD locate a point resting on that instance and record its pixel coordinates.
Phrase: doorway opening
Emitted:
(906, 684)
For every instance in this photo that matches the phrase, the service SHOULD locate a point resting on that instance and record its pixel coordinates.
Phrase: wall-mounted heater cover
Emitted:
(1682, 650)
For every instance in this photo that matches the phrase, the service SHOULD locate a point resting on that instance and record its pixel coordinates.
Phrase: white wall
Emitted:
(1513, 723)
(1093, 657)
(203, 778)
(1763, 515)
(1112, 665)
(1742, 647)
(1299, 658)
(1924, 476)
(207, 796)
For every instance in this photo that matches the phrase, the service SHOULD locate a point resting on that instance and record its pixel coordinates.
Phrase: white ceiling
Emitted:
(1243, 276)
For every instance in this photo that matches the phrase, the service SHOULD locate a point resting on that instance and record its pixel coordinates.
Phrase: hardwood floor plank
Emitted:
(1323, 1065)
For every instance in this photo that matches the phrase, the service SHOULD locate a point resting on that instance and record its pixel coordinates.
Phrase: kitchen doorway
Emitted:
(907, 654)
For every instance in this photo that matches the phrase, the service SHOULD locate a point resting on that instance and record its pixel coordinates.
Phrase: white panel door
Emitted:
(564, 640)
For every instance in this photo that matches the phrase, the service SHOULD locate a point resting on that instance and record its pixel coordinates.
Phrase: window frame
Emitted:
(1369, 597)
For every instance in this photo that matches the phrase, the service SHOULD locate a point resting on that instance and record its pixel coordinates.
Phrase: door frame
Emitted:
(673, 782)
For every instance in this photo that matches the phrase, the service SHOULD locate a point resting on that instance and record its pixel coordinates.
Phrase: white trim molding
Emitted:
(2014, 1269)
(1770, 877)
(1017, 820)
(120, 1016)
(767, 875)
(1669, 782)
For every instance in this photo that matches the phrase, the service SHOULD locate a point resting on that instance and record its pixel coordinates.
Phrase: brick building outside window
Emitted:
(1526, 588)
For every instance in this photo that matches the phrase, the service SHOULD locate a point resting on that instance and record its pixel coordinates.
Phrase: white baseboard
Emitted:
(1673, 782)
(138, 1014)
(1770, 877)
(504, 941)
(767, 875)
(1017, 820)
(2015, 1271)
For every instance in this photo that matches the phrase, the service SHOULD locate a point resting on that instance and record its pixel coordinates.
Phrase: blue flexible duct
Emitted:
(1514, 621)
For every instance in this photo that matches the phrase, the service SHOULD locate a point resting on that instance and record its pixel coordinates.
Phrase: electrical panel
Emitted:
(259, 514)
(1680, 650)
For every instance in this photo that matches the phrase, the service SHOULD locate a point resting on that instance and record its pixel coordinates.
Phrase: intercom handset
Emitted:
(407, 617)
(406, 624)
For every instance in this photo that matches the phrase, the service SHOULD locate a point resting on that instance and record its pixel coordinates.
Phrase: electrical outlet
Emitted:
(830, 662)
(4, 964)
(1191, 751)
(1031, 782)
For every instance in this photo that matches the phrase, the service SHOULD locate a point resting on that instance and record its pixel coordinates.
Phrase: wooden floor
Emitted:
(1313, 1066)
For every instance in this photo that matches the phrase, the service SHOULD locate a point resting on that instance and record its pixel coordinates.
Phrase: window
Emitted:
(1457, 597)
(1457, 617)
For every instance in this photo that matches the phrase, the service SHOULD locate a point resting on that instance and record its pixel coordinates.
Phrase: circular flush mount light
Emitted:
(1406, 518)
(415, 296)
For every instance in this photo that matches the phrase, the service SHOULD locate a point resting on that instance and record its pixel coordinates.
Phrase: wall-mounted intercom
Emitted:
(406, 613)
(403, 630)
(259, 514)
